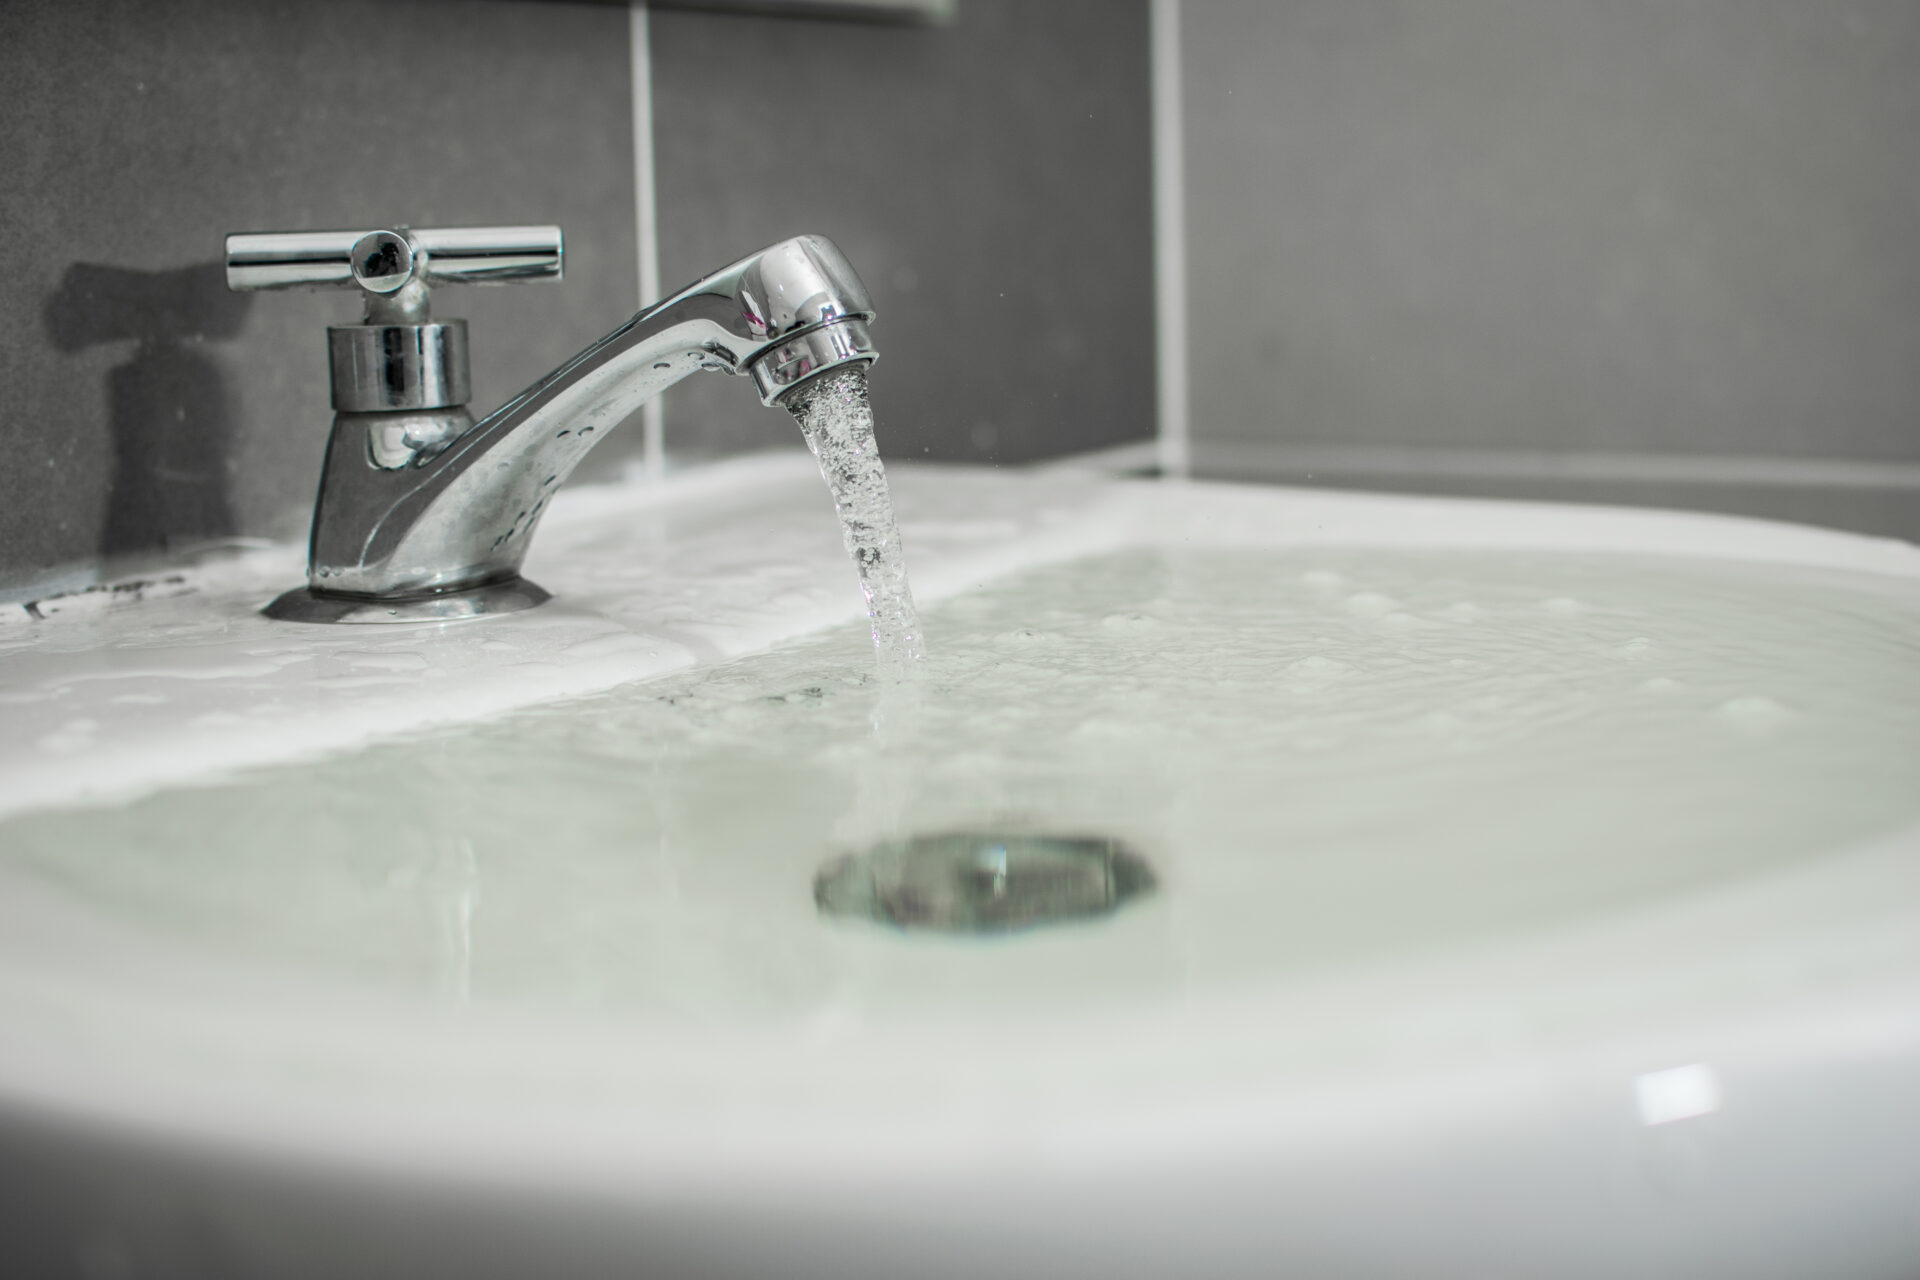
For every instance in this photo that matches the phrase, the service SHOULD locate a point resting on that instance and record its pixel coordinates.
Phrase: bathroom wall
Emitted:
(1628, 251)
(1652, 251)
(990, 180)
(988, 176)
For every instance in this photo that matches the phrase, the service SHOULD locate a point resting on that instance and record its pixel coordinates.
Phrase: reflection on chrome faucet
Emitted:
(426, 515)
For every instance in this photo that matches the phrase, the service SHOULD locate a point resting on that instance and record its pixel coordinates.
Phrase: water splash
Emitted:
(837, 419)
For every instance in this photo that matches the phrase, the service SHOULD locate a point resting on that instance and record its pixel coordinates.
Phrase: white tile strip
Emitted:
(1169, 241)
(1540, 464)
(646, 223)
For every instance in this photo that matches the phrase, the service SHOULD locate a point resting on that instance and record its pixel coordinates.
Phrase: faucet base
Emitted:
(303, 604)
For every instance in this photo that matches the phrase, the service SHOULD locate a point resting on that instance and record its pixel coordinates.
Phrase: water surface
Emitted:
(1328, 759)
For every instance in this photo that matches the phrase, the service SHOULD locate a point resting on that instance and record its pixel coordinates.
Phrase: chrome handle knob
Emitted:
(372, 259)
(397, 360)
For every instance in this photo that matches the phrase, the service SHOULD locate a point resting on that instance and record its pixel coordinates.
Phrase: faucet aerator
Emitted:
(787, 366)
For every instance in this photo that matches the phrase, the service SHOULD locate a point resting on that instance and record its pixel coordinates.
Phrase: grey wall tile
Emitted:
(141, 406)
(1881, 498)
(1630, 225)
(989, 180)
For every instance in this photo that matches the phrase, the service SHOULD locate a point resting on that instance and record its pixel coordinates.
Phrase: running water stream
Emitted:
(834, 413)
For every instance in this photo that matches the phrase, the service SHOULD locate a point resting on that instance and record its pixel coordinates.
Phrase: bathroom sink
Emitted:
(1521, 889)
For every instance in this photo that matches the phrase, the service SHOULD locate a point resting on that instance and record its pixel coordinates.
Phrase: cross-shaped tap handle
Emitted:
(384, 262)
(398, 360)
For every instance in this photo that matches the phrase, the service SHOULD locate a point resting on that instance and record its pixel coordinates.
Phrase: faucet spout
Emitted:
(429, 515)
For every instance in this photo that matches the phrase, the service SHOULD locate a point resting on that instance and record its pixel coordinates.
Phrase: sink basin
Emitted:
(1533, 890)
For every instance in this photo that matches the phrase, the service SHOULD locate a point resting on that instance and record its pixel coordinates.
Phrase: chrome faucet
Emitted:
(424, 514)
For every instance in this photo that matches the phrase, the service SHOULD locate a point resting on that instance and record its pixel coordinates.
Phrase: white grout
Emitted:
(1357, 460)
(1169, 242)
(646, 224)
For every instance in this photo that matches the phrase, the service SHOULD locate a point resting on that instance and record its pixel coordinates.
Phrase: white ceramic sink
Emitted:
(410, 951)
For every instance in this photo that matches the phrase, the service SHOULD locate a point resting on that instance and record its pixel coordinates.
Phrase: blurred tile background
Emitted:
(989, 179)
(1630, 251)
(1654, 251)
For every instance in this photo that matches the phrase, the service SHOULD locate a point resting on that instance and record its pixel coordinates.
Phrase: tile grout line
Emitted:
(646, 225)
(1169, 242)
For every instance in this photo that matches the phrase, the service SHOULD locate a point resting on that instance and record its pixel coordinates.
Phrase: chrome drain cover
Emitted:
(983, 882)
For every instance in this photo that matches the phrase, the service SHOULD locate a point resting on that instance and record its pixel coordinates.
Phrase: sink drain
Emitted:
(969, 882)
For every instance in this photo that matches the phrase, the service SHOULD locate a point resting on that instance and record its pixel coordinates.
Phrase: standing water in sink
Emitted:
(834, 413)
(1325, 759)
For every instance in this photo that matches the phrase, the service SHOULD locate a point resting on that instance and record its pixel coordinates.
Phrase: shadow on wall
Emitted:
(168, 408)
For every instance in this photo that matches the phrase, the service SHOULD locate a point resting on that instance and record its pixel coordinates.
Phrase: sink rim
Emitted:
(363, 1077)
